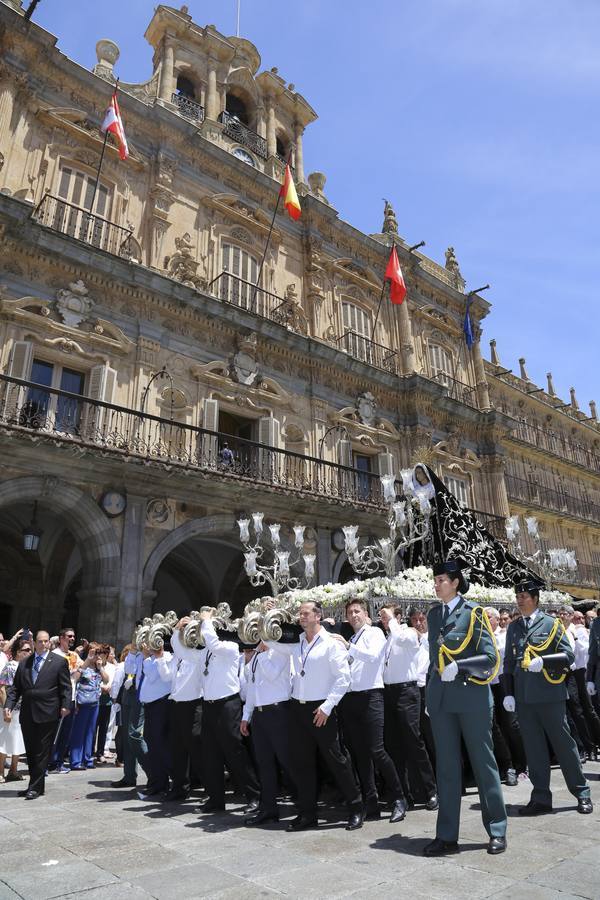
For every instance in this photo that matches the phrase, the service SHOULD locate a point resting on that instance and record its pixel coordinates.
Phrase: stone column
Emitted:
(299, 155)
(271, 136)
(98, 614)
(407, 341)
(7, 101)
(261, 121)
(483, 394)
(323, 568)
(132, 567)
(211, 90)
(497, 486)
(166, 73)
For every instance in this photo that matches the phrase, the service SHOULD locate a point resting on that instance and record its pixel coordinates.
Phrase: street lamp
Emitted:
(32, 534)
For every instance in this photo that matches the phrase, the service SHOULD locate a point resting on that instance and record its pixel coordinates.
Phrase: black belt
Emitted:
(399, 684)
(302, 702)
(365, 691)
(266, 706)
(222, 699)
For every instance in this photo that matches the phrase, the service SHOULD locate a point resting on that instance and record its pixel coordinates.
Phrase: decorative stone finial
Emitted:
(316, 182)
(593, 413)
(494, 358)
(574, 402)
(524, 374)
(551, 390)
(453, 269)
(390, 222)
(107, 53)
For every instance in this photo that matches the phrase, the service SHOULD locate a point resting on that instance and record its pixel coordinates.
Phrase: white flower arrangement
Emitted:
(411, 584)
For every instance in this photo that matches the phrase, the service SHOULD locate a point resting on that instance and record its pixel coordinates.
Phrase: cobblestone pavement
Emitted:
(86, 840)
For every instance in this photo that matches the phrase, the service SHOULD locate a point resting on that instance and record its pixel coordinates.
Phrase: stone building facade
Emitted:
(135, 342)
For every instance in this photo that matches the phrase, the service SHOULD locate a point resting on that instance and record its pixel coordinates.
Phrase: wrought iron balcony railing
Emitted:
(537, 495)
(69, 419)
(368, 351)
(83, 225)
(494, 524)
(237, 291)
(188, 107)
(243, 135)
(457, 390)
(556, 444)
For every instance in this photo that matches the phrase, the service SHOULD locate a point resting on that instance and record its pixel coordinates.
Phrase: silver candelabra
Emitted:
(551, 564)
(277, 573)
(408, 523)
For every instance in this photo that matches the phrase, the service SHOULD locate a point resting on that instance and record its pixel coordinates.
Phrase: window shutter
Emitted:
(210, 442)
(102, 384)
(346, 479)
(386, 463)
(269, 464)
(19, 366)
(345, 453)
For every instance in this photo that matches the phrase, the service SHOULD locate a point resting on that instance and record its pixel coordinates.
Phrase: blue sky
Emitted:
(478, 119)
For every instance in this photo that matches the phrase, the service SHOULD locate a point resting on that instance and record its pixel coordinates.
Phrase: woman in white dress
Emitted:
(11, 738)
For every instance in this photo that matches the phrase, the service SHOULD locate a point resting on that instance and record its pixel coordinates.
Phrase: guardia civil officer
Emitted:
(320, 680)
(463, 660)
(537, 658)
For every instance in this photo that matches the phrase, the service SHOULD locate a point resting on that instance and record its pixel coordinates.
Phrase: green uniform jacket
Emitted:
(533, 687)
(593, 668)
(460, 695)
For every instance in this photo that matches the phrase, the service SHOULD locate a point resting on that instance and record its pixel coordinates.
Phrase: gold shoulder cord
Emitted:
(532, 650)
(446, 654)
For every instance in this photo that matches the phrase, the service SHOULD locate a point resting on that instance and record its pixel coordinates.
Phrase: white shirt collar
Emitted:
(452, 604)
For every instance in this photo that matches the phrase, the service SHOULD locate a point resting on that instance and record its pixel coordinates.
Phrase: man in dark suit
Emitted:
(43, 685)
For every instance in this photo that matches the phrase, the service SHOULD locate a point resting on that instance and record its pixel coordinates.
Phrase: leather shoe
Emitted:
(263, 815)
(301, 823)
(122, 783)
(432, 803)
(585, 806)
(251, 808)
(355, 820)
(496, 845)
(511, 779)
(210, 806)
(534, 808)
(438, 847)
(398, 811)
(372, 815)
(171, 796)
(32, 795)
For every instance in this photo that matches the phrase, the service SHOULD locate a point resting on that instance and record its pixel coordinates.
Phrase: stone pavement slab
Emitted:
(86, 841)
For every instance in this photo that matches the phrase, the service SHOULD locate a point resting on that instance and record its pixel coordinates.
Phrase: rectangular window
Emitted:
(363, 477)
(460, 487)
(358, 322)
(440, 363)
(44, 409)
(239, 289)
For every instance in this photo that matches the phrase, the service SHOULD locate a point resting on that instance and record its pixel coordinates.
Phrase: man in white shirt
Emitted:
(582, 646)
(135, 750)
(185, 709)
(508, 744)
(362, 713)
(222, 742)
(66, 649)
(320, 680)
(402, 665)
(575, 715)
(266, 718)
(153, 690)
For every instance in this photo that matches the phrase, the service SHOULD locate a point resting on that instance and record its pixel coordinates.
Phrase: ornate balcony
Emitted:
(457, 390)
(556, 444)
(81, 224)
(73, 421)
(534, 494)
(243, 135)
(360, 347)
(188, 107)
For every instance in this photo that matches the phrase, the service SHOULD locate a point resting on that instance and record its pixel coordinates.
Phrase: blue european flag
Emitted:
(468, 326)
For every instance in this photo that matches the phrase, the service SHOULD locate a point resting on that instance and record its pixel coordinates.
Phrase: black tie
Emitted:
(445, 614)
(527, 620)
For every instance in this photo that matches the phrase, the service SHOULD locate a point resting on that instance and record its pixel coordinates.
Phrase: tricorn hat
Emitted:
(454, 569)
(526, 585)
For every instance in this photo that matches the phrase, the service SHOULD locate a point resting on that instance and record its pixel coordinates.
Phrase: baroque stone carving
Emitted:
(390, 222)
(73, 304)
(453, 268)
(290, 313)
(243, 366)
(366, 407)
(159, 512)
(182, 266)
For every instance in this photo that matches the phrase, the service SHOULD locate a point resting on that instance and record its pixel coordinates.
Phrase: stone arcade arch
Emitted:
(95, 538)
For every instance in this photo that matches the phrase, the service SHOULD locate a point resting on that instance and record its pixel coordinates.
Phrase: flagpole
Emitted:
(95, 191)
(264, 256)
(380, 301)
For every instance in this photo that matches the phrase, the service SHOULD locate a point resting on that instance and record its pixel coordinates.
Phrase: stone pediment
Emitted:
(242, 77)
(356, 272)
(87, 132)
(90, 335)
(231, 207)
(263, 391)
(376, 431)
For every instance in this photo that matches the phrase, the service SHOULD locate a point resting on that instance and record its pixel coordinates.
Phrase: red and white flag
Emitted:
(393, 274)
(114, 123)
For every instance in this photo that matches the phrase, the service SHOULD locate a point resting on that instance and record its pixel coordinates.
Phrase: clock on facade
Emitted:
(113, 503)
(245, 157)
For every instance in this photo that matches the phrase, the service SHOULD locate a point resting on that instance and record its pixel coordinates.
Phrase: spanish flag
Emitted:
(290, 197)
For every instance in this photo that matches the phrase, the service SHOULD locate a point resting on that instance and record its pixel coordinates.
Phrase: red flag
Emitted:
(114, 123)
(393, 274)
(290, 197)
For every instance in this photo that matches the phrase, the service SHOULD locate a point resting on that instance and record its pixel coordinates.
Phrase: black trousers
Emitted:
(38, 738)
(404, 740)
(508, 743)
(591, 716)
(101, 729)
(185, 724)
(305, 741)
(156, 736)
(362, 720)
(426, 731)
(222, 745)
(270, 732)
(576, 717)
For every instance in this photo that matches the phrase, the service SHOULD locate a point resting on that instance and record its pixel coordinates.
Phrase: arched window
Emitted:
(460, 487)
(283, 147)
(237, 285)
(185, 87)
(440, 363)
(357, 331)
(235, 106)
